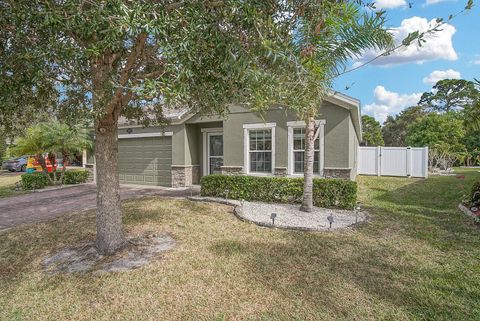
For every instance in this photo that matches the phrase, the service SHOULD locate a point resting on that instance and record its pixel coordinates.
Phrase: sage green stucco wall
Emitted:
(233, 134)
(336, 135)
(353, 146)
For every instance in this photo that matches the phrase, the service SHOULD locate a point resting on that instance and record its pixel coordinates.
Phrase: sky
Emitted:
(393, 83)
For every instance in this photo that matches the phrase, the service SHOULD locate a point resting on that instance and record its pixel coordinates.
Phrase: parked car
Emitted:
(18, 164)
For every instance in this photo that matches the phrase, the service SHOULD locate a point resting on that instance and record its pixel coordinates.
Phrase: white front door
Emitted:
(214, 153)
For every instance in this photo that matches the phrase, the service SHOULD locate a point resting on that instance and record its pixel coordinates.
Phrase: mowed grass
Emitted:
(417, 259)
(7, 185)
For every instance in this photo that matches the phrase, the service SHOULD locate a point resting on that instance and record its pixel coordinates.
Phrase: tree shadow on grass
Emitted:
(427, 210)
(339, 276)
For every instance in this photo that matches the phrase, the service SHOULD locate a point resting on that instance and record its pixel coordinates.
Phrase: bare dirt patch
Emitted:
(137, 252)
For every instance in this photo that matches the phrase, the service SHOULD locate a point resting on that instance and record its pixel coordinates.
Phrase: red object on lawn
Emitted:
(47, 162)
(461, 177)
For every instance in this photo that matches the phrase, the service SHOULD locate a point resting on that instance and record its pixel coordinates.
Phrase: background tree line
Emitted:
(446, 119)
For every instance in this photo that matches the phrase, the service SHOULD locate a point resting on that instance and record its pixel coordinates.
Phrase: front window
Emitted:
(299, 151)
(260, 150)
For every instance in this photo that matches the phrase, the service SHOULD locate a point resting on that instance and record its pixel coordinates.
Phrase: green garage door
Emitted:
(145, 161)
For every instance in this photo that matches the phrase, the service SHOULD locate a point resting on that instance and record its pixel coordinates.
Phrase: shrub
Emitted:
(475, 194)
(39, 180)
(34, 181)
(75, 176)
(329, 193)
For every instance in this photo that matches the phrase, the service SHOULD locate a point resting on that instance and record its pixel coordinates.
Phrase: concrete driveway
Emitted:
(44, 205)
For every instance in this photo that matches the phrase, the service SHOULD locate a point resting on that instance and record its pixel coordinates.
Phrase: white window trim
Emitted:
(205, 132)
(321, 161)
(143, 135)
(301, 123)
(246, 146)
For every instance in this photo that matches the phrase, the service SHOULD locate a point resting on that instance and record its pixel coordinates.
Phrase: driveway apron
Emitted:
(44, 205)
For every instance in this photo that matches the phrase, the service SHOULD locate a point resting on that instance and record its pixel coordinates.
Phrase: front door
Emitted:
(215, 153)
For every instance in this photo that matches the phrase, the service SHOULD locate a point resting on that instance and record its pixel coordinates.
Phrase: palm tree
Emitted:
(326, 36)
(65, 140)
(33, 142)
(50, 139)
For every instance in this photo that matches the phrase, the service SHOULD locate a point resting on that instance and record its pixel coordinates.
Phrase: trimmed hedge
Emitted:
(75, 176)
(39, 180)
(327, 192)
(34, 181)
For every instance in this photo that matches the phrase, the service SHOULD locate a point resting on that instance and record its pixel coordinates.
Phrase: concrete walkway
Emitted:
(44, 205)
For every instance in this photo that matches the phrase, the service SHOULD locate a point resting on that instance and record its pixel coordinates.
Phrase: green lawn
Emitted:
(417, 259)
(7, 185)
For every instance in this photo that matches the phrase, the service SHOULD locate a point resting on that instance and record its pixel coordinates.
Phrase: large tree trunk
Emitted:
(110, 101)
(307, 202)
(109, 213)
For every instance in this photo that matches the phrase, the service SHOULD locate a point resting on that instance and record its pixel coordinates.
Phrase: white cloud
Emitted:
(429, 2)
(441, 74)
(476, 61)
(438, 46)
(390, 4)
(389, 103)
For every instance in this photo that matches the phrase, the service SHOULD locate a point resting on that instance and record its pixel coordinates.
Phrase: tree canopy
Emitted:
(395, 128)
(438, 131)
(372, 131)
(450, 95)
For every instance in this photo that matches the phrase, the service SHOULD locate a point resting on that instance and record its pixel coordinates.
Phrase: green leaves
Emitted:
(52, 137)
(438, 131)
(450, 94)
(329, 193)
(469, 5)
(202, 55)
(372, 131)
(410, 37)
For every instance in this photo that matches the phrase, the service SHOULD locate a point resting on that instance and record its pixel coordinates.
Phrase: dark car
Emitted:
(18, 164)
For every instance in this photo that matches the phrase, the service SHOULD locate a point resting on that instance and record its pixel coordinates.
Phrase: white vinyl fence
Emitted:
(393, 161)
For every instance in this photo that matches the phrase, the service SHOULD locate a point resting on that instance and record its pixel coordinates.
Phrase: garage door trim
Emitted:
(143, 135)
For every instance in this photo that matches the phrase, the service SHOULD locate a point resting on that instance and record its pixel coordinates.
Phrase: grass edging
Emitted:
(238, 210)
(466, 210)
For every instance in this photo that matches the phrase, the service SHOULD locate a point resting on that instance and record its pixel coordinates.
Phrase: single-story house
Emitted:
(240, 143)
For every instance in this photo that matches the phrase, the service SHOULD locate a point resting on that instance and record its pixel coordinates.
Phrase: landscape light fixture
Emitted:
(227, 191)
(273, 216)
(330, 220)
(357, 209)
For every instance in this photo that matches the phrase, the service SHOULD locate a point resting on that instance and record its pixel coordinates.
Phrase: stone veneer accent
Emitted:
(345, 173)
(232, 170)
(280, 171)
(185, 175)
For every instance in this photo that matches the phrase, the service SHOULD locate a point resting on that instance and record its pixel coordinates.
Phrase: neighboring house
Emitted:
(241, 143)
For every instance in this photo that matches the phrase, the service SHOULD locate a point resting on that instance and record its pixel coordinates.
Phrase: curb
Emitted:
(466, 210)
(57, 188)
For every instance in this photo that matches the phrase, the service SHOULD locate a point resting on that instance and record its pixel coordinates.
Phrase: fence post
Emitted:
(426, 161)
(379, 160)
(409, 162)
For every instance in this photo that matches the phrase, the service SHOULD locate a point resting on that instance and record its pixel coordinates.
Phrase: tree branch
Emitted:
(390, 51)
(116, 105)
